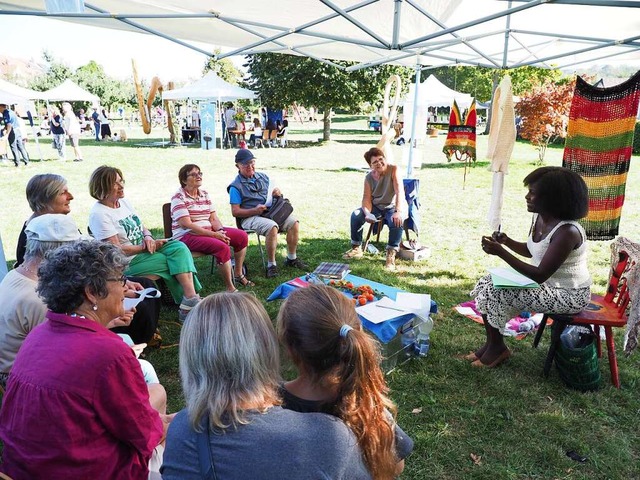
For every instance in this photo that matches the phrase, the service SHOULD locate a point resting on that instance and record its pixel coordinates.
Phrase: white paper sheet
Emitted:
(382, 310)
(511, 275)
(150, 292)
(466, 311)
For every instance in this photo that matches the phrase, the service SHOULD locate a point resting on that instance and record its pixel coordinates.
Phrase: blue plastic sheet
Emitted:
(384, 331)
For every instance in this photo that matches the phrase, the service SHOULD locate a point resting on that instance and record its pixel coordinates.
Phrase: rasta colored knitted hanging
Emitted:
(598, 147)
(461, 139)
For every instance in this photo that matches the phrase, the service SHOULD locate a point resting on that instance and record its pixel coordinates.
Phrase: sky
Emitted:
(75, 45)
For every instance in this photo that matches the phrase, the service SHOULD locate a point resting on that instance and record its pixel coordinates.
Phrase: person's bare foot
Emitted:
(492, 358)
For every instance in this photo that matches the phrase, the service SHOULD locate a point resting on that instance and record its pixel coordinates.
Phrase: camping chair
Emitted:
(411, 194)
(168, 233)
(264, 140)
(608, 311)
(249, 232)
(273, 138)
(284, 138)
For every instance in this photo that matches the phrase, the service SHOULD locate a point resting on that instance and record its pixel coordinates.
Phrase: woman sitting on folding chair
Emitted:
(557, 247)
(383, 200)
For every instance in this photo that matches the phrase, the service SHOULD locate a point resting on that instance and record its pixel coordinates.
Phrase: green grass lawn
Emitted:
(516, 423)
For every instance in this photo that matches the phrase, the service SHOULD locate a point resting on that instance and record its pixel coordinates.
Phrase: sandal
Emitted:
(243, 281)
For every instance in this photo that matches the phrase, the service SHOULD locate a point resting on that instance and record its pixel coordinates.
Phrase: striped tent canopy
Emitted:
(598, 147)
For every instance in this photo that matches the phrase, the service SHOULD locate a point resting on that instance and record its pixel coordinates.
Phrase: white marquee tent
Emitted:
(18, 91)
(433, 93)
(493, 33)
(70, 91)
(209, 87)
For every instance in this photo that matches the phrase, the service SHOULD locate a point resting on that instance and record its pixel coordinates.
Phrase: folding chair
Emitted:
(249, 232)
(608, 311)
(273, 138)
(168, 233)
(412, 222)
(264, 140)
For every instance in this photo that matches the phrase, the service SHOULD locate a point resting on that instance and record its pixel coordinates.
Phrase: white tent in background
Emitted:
(209, 87)
(71, 92)
(25, 93)
(433, 93)
(8, 98)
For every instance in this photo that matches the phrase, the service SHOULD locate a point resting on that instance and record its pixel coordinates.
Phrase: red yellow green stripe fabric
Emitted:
(598, 147)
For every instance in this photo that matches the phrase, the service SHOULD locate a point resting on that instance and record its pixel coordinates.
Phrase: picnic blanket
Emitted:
(519, 327)
(598, 147)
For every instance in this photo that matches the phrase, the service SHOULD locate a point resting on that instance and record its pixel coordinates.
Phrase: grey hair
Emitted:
(43, 189)
(38, 249)
(70, 269)
(229, 358)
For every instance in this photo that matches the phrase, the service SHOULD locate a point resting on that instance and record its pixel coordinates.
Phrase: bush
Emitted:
(636, 139)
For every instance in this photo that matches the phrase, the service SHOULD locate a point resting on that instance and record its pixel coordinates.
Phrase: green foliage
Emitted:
(224, 68)
(478, 81)
(636, 139)
(282, 80)
(91, 77)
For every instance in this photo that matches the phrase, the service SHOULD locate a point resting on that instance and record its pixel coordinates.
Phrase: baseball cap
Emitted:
(244, 156)
(53, 227)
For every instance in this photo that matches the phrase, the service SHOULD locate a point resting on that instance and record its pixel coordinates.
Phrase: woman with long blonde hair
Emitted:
(339, 373)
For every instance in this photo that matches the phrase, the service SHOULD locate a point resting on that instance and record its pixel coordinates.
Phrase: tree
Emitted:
(112, 92)
(56, 73)
(282, 80)
(545, 114)
(224, 68)
(478, 81)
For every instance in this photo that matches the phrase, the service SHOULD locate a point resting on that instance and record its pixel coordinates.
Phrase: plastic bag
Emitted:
(575, 336)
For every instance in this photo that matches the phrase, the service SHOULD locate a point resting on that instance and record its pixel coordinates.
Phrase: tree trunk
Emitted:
(496, 82)
(326, 130)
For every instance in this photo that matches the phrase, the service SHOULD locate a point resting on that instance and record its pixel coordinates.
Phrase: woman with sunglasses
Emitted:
(114, 220)
(383, 199)
(196, 224)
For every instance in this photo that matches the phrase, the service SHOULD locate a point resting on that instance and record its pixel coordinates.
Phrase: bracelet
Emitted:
(220, 229)
(148, 235)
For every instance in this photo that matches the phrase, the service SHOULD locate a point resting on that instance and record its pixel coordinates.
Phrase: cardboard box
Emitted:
(415, 255)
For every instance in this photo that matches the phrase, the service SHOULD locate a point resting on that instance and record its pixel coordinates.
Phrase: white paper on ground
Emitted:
(465, 311)
(382, 310)
(150, 292)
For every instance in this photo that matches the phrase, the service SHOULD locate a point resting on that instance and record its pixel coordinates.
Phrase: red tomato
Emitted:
(362, 300)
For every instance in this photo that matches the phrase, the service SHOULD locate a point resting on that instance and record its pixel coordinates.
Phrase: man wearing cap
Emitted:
(249, 194)
(9, 126)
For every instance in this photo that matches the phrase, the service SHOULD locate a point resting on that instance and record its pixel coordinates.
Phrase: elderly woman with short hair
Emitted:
(114, 220)
(229, 365)
(196, 224)
(85, 414)
(48, 193)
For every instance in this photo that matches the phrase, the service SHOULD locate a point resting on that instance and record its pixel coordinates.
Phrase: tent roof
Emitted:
(435, 94)
(24, 93)
(70, 91)
(444, 32)
(209, 87)
(9, 98)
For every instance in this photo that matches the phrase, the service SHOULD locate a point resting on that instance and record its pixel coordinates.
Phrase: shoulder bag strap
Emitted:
(205, 456)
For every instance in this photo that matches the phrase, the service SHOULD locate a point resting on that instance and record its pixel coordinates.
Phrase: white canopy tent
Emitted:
(9, 98)
(492, 33)
(25, 93)
(70, 91)
(433, 93)
(209, 87)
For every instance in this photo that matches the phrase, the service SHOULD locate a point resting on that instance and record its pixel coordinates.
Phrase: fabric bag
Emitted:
(279, 211)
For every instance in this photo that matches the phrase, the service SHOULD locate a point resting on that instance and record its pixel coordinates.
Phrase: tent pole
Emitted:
(414, 115)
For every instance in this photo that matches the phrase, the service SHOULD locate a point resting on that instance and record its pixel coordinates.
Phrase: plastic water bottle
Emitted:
(423, 343)
(408, 339)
